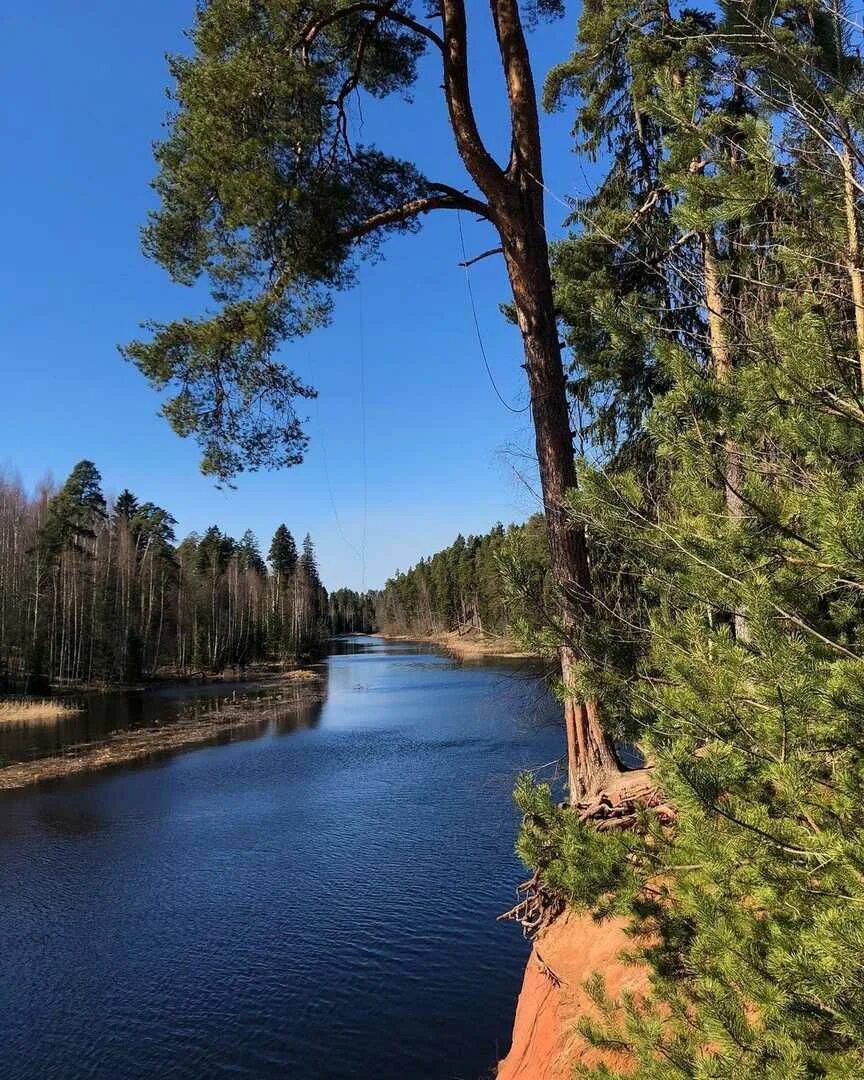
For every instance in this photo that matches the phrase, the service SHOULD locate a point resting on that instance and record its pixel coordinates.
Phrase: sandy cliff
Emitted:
(546, 1043)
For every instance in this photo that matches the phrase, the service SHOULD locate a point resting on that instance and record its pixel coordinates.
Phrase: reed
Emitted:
(32, 711)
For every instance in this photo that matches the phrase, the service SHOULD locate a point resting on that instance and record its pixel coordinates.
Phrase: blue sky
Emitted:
(84, 98)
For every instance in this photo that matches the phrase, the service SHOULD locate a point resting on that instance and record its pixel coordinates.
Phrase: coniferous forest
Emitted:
(92, 592)
(469, 585)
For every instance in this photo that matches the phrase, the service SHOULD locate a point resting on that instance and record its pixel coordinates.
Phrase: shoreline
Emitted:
(468, 647)
(260, 671)
(125, 747)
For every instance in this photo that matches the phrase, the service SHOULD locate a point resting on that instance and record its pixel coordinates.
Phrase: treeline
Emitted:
(465, 586)
(93, 592)
(352, 612)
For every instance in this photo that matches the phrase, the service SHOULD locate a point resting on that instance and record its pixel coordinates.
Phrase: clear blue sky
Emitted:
(84, 98)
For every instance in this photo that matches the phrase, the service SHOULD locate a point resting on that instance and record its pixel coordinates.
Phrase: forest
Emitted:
(93, 592)
(469, 585)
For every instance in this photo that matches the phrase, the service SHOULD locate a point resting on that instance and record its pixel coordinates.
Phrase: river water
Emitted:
(315, 902)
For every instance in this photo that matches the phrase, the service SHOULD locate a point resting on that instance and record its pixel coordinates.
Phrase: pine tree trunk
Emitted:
(721, 358)
(853, 247)
(515, 196)
(591, 757)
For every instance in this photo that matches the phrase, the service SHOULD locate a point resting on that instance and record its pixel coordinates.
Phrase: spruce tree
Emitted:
(283, 552)
(250, 553)
(125, 505)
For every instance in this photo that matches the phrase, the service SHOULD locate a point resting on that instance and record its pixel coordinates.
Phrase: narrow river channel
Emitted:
(315, 902)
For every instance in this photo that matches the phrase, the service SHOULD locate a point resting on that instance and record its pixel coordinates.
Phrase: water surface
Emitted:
(318, 902)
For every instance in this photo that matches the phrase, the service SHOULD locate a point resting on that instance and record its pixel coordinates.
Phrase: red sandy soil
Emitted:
(546, 1042)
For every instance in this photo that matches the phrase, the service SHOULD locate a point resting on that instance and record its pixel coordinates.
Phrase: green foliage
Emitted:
(283, 552)
(583, 867)
(262, 195)
(74, 512)
(708, 301)
(497, 583)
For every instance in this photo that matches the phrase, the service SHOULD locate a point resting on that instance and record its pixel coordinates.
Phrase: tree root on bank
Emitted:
(535, 908)
(618, 806)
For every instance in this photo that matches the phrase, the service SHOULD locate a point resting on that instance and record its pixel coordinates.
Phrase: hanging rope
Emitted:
(465, 263)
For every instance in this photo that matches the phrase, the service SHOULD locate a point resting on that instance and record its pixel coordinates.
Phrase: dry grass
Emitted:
(235, 719)
(33, 711)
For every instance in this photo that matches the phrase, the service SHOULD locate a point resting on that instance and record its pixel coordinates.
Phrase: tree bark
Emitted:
(721, 358)
(591, 758)
(519, 212)
(853, 248)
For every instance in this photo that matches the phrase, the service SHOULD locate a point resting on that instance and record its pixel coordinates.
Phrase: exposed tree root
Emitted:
(617, 807)
(535, 907)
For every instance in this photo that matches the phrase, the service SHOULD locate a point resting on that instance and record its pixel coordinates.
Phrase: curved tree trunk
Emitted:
(516, 199)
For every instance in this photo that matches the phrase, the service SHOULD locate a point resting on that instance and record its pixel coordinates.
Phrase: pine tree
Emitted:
(74, 511)
(744, 890)
(265, 192)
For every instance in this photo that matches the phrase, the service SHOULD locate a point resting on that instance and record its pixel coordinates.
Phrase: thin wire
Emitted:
(506, 404)
(329, 484)
(363, 439)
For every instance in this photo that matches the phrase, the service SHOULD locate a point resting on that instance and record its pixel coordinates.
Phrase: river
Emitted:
(315, 902)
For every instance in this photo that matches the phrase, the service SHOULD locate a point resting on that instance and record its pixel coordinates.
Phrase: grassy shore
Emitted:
(34, 711)
(235, 719)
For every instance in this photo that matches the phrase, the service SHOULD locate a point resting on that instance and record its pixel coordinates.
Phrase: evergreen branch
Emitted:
(381, 11)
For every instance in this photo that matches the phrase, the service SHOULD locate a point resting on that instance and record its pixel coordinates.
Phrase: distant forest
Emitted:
(99, 592)
(94, 591)
(487, 583)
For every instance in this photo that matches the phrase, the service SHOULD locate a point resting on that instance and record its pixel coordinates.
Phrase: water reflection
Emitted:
(100, 715)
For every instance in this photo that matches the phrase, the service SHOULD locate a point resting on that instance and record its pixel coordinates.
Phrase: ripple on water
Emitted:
(316, 904)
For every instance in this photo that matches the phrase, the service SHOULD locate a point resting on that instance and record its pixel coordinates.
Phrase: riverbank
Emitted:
(290, 689)
(473, 644)
(546, 1041)
(27, 686)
